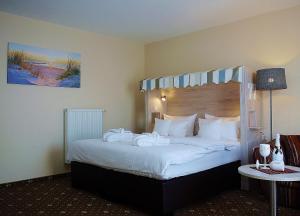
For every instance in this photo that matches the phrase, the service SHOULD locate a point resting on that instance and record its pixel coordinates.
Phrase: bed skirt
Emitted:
(157, 196)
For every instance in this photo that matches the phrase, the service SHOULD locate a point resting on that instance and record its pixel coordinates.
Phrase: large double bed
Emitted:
(164, 178)
(160, 179)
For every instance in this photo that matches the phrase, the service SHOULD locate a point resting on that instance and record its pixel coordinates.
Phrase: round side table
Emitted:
(248, 171)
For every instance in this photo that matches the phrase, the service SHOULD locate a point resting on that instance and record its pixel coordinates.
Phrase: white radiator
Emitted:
(82, 124)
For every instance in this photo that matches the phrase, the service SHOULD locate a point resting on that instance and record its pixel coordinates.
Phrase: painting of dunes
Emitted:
(30, 65)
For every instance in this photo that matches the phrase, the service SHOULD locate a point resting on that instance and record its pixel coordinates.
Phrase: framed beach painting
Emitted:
(28, 65)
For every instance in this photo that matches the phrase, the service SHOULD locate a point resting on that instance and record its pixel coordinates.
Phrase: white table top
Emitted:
(247, 171)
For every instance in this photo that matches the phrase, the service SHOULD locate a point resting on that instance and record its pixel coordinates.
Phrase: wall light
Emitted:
(163, 98)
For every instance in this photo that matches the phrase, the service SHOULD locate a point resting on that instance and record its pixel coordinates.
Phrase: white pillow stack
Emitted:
(189, 119)
(162, 127)
(230, 130)
(208, 116)
(229, 126)
(210, 128)
(177, 126)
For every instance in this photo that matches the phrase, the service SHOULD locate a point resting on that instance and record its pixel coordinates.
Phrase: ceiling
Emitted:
(144, 20)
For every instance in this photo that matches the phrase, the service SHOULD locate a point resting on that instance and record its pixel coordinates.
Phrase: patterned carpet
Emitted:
(57, 197)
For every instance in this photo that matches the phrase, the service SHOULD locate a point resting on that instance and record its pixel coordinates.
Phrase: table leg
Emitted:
(273, 199)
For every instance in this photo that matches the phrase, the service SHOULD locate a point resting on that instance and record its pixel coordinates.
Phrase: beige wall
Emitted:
(31, 117)
(270, 40)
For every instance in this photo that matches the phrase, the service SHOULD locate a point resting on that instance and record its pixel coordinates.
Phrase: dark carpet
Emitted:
(57, 197)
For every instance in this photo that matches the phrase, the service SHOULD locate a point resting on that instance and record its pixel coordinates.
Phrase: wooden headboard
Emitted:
(218, 100)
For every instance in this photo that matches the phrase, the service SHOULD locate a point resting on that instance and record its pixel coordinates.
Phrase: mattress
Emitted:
(182, 157)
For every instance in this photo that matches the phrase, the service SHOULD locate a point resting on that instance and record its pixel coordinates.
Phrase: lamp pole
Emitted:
(271, 122)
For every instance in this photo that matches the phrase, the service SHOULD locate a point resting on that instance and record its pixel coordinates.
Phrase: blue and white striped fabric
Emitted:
(194, 79)
(166, 82)
(182, 81)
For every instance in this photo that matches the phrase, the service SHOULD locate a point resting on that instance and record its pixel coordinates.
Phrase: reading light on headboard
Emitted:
(163, 98)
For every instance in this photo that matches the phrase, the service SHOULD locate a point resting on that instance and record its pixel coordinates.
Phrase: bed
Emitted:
(159, 179)
(222, 92)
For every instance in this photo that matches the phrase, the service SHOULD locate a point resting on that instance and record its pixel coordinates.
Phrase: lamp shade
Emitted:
(270, 79)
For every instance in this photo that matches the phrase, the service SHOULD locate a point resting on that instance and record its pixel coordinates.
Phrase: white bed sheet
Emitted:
(209, 161)
(160, 162)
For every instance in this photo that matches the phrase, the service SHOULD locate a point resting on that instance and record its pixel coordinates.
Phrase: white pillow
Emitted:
(190, 119)
(162, 127)
(208, 116)
(210, 128)
(179, 128)
(230, 126)
(229, 130)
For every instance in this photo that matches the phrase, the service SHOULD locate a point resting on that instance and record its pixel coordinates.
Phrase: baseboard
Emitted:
(44, 178)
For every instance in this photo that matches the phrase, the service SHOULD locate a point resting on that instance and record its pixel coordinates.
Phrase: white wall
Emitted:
(269, 40)
(31, 117)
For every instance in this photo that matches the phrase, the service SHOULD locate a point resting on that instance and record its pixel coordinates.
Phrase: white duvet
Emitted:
(151, 161)
(206, 143)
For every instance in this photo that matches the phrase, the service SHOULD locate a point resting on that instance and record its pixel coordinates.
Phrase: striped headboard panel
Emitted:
(82, 124)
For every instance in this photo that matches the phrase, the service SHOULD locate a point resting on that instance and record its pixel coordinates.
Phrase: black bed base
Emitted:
(157, 196)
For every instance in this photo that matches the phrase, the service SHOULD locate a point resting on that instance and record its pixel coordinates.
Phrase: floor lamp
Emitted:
(271, 79)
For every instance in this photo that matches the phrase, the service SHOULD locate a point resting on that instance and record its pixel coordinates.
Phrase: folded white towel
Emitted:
(115, 135)
(150, 139)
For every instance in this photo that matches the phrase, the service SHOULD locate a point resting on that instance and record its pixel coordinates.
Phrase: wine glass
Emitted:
(264, 150)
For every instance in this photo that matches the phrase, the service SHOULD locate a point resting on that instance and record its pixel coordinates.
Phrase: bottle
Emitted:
(257, 164)
(277, 156)
(277, 151)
